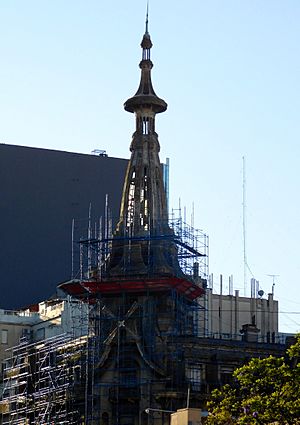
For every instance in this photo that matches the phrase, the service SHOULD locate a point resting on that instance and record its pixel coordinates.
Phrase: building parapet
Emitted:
(19, 317)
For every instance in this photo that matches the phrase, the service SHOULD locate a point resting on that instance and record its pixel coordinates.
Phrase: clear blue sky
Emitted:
(229, 71)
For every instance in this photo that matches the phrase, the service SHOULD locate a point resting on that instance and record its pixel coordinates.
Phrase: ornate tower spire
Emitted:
(145, 97)
(144, 214)
(144, 252)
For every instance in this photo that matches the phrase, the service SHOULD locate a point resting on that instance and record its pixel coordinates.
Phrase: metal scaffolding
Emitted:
(130, 358)
(135, 356)
(90, 254)
(123, 351)
(40, 380)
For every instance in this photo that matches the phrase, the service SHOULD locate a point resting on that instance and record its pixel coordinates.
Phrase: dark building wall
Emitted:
(41, 191)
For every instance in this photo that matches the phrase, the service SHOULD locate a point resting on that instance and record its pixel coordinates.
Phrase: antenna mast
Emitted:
(244, 226)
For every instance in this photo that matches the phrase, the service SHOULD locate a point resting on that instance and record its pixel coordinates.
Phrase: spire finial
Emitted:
(147, 14)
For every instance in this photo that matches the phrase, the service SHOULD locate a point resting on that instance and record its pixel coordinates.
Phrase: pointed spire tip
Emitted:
(147, 15)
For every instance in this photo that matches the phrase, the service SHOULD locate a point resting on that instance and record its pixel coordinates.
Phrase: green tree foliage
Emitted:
(265, 391)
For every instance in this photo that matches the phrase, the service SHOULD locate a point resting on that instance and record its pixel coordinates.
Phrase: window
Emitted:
(145, 125)
(4, 336)
(193, 374)
(226, 374)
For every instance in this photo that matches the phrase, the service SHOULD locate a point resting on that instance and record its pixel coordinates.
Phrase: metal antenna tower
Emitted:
(244, 226)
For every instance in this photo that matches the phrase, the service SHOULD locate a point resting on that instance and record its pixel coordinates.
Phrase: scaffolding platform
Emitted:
(90, 288)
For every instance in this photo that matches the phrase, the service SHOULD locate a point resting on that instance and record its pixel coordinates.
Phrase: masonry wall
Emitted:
(13, 325)
(226, 315)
